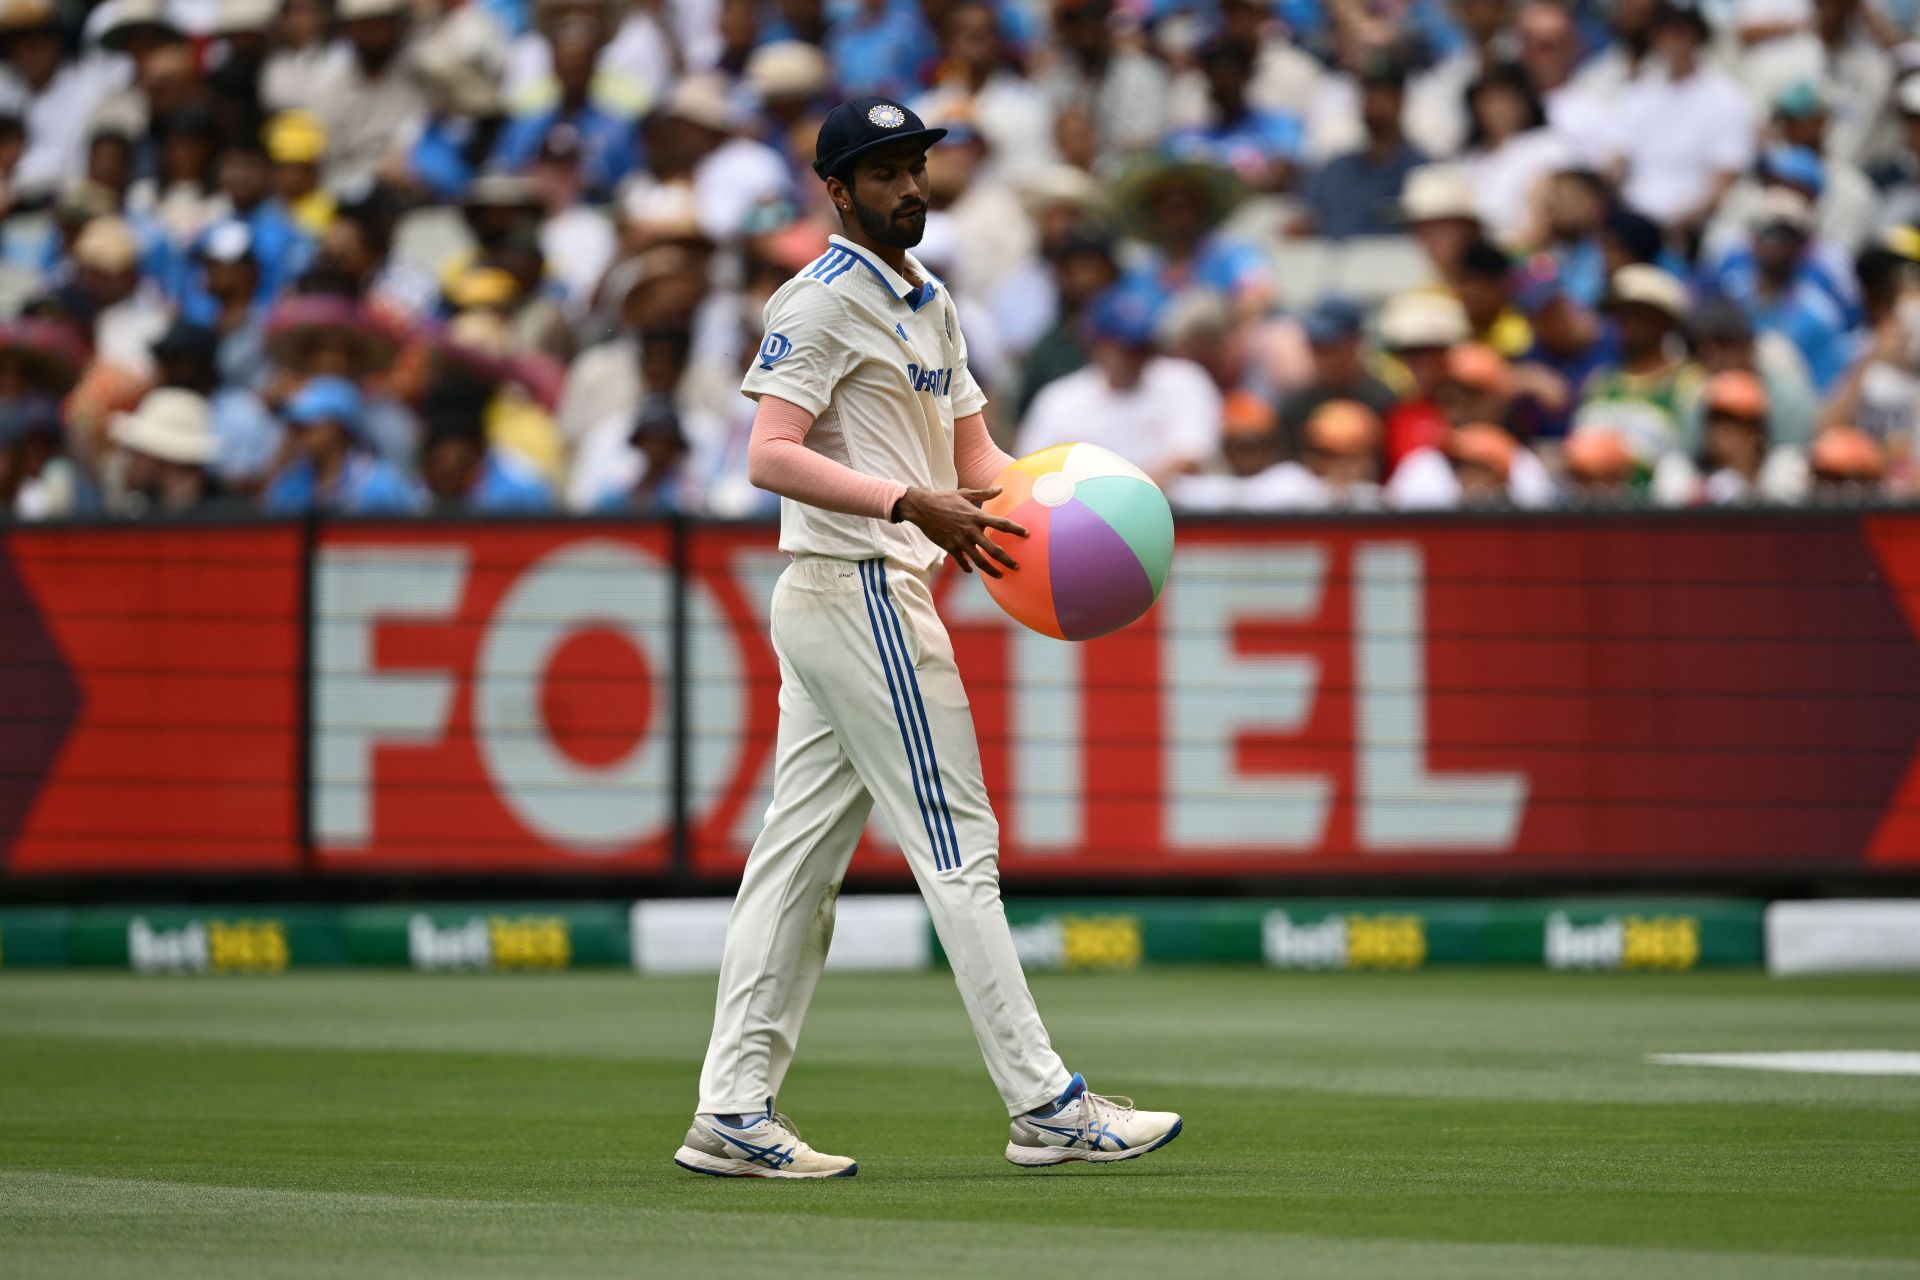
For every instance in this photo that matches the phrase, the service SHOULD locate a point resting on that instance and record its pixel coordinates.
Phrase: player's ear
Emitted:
(842, 197)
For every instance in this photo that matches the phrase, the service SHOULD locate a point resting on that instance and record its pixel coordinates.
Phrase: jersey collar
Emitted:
(915, 298)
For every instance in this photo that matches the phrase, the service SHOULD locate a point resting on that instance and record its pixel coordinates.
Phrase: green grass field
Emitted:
(1433, 1124)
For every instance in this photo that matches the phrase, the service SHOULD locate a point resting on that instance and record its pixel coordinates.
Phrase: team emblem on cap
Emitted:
(887, 116)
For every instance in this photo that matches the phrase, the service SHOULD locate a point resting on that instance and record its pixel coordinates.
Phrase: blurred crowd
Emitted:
(389, 256)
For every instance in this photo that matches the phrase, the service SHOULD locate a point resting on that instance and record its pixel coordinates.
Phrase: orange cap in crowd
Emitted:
(1476, 365)
(1847, 453)
(1343, 427)
(1246, 414)
(1601, 457)
(1737, 394)
(1483, 444)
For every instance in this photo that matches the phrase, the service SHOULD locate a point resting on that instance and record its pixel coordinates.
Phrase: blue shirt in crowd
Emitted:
(606, 144)
(505, 485)
(882, 55)
(1248, 144)
(1352, 195)
(365, 486)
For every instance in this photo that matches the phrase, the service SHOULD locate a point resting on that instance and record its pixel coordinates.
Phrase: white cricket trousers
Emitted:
(871, 708)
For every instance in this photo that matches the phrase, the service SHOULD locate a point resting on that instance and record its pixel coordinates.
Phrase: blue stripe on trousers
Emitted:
(899, 715)
(891, 614)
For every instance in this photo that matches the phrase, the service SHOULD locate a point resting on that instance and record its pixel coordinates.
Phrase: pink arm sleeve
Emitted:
(779, 462)
(976, 458)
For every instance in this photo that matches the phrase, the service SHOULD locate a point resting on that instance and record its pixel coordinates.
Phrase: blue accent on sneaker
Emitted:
(734, 1121)
(1075, 1087)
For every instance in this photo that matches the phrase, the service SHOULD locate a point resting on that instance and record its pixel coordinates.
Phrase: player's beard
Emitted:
(894, 232)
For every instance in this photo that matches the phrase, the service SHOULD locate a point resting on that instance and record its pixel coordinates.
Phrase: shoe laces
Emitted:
(1100, 1109)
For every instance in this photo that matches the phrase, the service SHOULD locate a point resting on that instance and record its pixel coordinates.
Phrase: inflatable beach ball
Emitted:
(1099, 540)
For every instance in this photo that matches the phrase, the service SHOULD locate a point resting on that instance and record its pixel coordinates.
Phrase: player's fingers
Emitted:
(998, 552)
(978, 496)
(987, 566)
(1004, 525)
(958, 553)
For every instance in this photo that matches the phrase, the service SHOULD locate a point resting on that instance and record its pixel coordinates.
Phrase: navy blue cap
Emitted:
(1332, 320)
(30, 415)
(858, 126)
(1121, 314)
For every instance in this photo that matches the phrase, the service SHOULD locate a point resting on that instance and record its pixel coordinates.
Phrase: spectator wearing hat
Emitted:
(1796, 171)
(701, 166)
(247, 437)
(1687, 129)
(881, 48)
(1570, 343)
(459, 64)
(1648, 307)
(1780, 279)
(1845, 467)
(1438, 209)
(374, 102)
(222, 294)
(1341, 451)
(600, 142)
(1509, 150)
(1723, 340)
(1845, 200)
(788, 80)
(333, 469)
(311, 336)
(1660, 471)
(39, 480)
(1262, 146)
(296, 143)
(306, 65)
(1358, 193)
(1159, 412)
(57, 98)
(166, 73)
(166, 454)
(127, 312)
(461, 472)
(1254, 475)
(1333, 329)
(241, 39)
(1478, 386)
(1417, 330)
(1742, 466)
(1477, 465)
(663, 482)
(1176, 208)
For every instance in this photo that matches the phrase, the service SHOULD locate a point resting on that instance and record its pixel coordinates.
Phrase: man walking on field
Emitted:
(868, 420)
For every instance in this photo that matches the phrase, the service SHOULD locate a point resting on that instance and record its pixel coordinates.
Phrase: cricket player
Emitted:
(869, 428)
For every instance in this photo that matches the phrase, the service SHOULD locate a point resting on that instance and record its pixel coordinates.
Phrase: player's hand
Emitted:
(952, 518)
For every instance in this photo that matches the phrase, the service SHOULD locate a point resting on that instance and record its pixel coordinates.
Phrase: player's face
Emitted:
(889, 195)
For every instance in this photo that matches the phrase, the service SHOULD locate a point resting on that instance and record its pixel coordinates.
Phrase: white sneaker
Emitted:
(1085, 1126)
(755, 1146)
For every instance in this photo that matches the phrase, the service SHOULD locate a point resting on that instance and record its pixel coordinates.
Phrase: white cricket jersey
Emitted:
(883, 367)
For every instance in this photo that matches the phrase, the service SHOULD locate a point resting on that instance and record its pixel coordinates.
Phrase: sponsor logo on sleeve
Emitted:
(774, 348)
